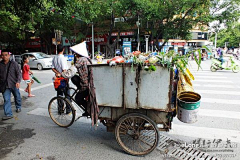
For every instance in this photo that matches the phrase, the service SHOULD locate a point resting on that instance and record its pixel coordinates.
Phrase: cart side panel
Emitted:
(108, 84)
(130, 88)
(154, 89)
(158, 117)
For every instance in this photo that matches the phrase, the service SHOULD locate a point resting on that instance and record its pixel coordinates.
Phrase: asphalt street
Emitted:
(32, 135)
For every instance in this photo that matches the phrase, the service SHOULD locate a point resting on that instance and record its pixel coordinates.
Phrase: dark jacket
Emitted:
(14, 75)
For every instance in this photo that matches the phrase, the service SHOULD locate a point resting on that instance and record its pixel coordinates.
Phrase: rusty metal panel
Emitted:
(104, 112)
(130, 90)
(158, 117)
(154, 89)
(142, 89)
(108, 84)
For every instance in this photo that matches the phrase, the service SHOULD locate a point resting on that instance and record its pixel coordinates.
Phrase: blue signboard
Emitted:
(127, 48)
(69, 57)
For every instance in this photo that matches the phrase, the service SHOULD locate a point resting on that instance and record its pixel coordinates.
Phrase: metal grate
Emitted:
(171, 148)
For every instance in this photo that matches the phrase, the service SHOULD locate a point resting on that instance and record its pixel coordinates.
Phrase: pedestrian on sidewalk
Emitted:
(59, 65)
(10, 79)
(26, 72)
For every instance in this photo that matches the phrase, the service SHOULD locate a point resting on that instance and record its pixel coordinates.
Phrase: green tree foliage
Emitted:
(230, 35)
(164, 19)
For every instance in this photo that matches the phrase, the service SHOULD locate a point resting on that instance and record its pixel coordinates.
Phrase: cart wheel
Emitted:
(137, 134)
(59, 113)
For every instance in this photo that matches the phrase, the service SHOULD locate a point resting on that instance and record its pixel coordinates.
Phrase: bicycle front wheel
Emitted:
(61, 111)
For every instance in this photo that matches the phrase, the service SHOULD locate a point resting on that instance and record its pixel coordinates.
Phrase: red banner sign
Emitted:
(123, 34)
(33, 43)
(97, 39)
(179, 44)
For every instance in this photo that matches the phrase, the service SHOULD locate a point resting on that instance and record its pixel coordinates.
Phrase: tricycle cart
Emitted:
(134, 103)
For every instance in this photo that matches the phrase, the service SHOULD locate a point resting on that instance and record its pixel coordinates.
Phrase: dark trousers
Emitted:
(66, 92)
(80, 98)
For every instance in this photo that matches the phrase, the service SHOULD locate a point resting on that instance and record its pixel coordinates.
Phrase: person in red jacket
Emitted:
(26, 72)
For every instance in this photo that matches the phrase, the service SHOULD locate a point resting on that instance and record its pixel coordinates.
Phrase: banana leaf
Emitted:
(35, 79)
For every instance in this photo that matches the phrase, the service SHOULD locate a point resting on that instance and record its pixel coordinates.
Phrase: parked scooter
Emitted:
(217, 65)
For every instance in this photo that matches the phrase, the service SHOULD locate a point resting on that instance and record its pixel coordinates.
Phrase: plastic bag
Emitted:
(70, 72)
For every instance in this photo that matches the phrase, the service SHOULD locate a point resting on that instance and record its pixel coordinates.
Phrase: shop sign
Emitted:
(179, 44)
(69, 57)
(33, 43)
(166, 44)
(68, 42)
(97, 39)
(191, 43)
(127, 48)
(123, 34)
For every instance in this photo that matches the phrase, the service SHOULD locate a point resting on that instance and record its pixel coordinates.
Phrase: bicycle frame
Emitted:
(72, 99)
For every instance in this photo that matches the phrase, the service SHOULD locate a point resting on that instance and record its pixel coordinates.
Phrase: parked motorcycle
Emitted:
(217, 65)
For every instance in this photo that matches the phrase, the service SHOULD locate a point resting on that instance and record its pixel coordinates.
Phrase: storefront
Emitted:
(99, 43)
(127, 41)
(34, 45)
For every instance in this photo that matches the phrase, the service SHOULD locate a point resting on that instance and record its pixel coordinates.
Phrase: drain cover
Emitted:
(173, 149)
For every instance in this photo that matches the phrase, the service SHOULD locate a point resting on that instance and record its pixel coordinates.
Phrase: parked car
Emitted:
(37, 60)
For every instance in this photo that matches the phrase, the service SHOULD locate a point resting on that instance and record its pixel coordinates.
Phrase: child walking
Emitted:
(26, 72)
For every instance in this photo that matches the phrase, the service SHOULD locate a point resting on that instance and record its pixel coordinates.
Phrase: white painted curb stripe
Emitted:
(218, 92)
(219, 113)
(39, 87)
(42, 86)
(222, 101)
(205, 132)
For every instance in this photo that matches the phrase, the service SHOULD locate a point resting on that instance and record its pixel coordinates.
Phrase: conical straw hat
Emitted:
(80, 49)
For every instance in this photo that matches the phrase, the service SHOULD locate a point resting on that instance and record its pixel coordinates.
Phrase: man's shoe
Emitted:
(6, 117)
(18, 110)
(85, 114)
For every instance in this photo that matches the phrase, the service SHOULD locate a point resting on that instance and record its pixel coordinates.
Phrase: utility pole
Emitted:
(215, 40)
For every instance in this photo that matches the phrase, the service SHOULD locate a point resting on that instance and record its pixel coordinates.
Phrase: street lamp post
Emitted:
(146, 39)
(92, 41)
(138, 24)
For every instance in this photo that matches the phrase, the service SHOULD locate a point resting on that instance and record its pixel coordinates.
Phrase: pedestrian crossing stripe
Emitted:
(206, 73)
(213, 85)
(218, 92)
(221, 101)
(205, 132)
(210, 77)
(219, 113)
(185, 129)
(206, 80)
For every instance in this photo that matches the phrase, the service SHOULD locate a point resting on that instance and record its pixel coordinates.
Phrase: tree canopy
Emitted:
(231, 35)
(163, 19)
